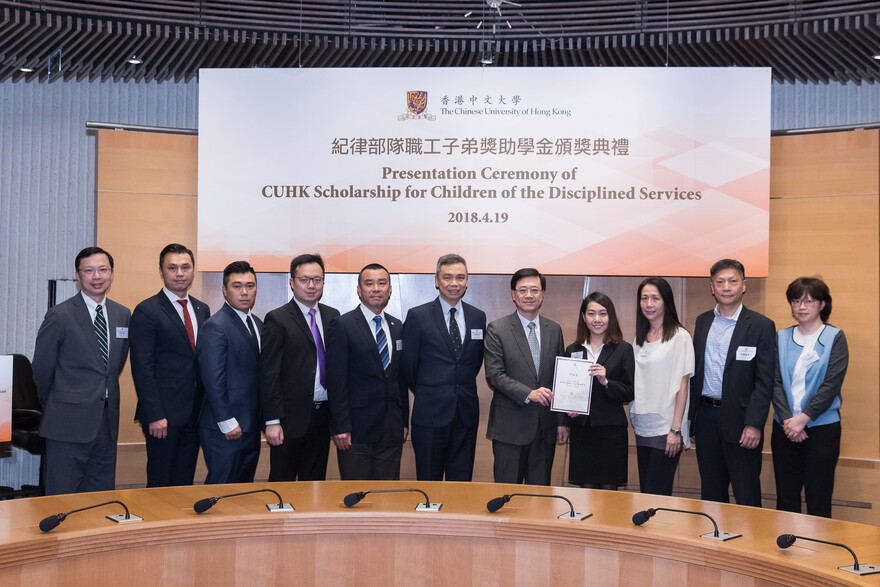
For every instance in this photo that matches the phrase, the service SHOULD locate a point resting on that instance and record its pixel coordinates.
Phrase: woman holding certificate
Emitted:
(811, 365)
(664, 356)
(598, 440)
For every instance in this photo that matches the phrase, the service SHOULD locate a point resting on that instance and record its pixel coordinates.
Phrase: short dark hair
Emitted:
(237, 267)
(176, 249)
(450, 259)
(727, 264)
(305, 260)
(88, 252)
(815, 288)
(370, 267)
(671, 322)
(613, 335)
(527, 272)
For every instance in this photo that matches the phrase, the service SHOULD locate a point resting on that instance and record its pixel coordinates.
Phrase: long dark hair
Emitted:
(670, 317)
(612, 334)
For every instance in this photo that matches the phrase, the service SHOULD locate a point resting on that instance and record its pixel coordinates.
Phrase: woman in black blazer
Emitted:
(599, 443)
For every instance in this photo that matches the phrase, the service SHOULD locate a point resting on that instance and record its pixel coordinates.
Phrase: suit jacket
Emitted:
(606, 403)
(163, 364)
(363, 398)
(288, 365)
(510, 372)
(440, 379)
(229, 362)
(70, 374)
(746, 386)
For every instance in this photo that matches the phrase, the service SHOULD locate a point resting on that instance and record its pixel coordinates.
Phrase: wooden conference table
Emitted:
(383, 541)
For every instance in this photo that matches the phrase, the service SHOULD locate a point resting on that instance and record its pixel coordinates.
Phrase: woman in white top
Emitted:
(664, 356)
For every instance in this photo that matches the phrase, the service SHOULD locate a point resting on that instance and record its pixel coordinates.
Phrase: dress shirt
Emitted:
(368, 316)
(174, 299)
(715, 357)
(525, 325)
(459, 316)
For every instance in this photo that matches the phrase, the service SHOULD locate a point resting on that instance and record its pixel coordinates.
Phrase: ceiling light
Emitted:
(26, 69)
(134, 60)
(877, 56)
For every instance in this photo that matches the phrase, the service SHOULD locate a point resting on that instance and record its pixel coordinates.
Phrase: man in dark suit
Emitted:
(81, 348)
(521, 351)
(294, 377)
(164, 330)
(228, 352)
(735, 356)
(442, 355)
(369, 404)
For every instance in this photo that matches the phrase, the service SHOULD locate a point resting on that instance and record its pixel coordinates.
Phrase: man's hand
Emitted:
(750, 437)
(561, 434)
(159, 428)
(235, 434)
(343, 441)
(542, 395)
(274, 434)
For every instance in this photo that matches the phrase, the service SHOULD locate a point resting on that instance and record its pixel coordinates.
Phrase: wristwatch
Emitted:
(676, 432)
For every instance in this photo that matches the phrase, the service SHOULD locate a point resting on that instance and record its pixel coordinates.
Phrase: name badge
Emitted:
(122, 332)
(577, 355)
(810, 358)
(644, 354)
(398, 344)
(746, 353)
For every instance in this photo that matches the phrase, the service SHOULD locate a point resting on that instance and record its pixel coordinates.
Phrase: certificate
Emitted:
(572, 386)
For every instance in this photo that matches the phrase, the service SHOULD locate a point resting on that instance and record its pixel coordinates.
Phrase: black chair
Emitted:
(26, 416)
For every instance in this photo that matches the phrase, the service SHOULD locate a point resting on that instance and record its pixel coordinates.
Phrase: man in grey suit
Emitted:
(520, 359)
(81, 347)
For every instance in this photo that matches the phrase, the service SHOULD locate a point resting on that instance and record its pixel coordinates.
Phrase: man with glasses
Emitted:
(81, 348)
(521, 351)
(294, 377)
(735, 353)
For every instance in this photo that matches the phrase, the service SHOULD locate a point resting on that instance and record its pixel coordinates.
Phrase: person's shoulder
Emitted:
(149, 304)
(327, 310)
(422, 310)
(552, 324)
(473, 309)
(503, 321)
(756, 316)
(574, 348)
(111, 305)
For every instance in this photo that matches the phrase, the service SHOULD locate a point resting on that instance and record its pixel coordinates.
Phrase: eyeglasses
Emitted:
(89, 271)
(808, 302)
(307, 280)
(528, 291)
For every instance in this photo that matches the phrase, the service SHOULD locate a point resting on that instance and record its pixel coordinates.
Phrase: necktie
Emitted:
(382, 343)
(101, 331)
(454, 332)
(187, 323)
(250, 325)
(535, 347)
(319, 347)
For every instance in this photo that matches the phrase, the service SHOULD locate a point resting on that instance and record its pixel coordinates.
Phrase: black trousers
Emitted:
(528, 463)
(724, 464)
(172, 460)
(807, 465)
(379, 460)
(303, 459)
(445, 450)
(656, 470)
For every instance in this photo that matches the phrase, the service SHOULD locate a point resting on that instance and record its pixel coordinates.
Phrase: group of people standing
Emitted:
(309, 375)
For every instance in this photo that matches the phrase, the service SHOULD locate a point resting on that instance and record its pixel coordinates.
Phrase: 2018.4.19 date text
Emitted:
(477, 218)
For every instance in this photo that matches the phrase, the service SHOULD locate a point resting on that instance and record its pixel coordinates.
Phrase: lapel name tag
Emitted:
(398, 344)
(809, 358)
(577, 355)
(746, 353)
(476, 334)
(122, 332)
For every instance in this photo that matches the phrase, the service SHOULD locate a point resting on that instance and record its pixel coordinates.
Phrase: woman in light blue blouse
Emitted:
(812, 361)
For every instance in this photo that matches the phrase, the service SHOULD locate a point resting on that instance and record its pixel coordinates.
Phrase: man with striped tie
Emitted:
(81, 348)
(369, 406)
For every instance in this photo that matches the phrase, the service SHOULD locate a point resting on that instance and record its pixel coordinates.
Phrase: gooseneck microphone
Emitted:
(50, 523)
(204, 505)
(497, 503)
(640, 518)
(786, 540)
(353, 499)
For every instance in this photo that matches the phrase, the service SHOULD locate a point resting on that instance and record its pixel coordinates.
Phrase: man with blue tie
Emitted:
(441, 358)
(81, 348)
(369, 402)
(164, 330)
(228, 351)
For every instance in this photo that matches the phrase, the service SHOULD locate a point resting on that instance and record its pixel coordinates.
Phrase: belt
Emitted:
(319, 405)
(712, 401)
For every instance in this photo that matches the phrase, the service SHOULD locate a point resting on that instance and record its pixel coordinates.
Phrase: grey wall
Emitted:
(47, 169)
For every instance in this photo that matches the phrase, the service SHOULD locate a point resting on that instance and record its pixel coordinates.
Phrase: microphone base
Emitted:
(433, 507)
(121, 519)
(722, 536)
(284, 507)
(864, 569)
(577, 516)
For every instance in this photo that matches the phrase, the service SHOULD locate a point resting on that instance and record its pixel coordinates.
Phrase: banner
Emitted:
(5, 398)
(575, 171)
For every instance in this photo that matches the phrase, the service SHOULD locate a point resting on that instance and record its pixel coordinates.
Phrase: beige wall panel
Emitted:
(824, 164)
(148, 163)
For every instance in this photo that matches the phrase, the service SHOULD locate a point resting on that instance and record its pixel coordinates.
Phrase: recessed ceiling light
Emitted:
(134, 60)
(25, 69)
(877, 56)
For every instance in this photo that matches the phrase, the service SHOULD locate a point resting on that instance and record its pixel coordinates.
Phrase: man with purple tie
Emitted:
(294, 377)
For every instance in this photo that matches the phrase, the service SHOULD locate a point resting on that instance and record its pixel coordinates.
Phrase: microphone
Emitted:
(640, 518)
(786, 540)
(50, 523)
(352, 499)
(204, 505)
(497, 503)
